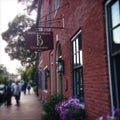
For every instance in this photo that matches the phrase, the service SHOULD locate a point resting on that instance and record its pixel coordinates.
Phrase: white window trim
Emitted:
(108, 57)
(76, 35)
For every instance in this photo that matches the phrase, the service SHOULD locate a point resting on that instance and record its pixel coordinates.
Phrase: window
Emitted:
(50, 11)
(114, 21)
(46, 78)
(113, 30)
(57, 2)
(51, 73)
(40, 78)
(77, 67)
(40, 14)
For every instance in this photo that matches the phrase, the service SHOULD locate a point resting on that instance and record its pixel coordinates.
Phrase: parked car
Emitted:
(2, 93)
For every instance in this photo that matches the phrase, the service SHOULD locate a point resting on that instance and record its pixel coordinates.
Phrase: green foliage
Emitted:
(76, 114)
(3, 74)
(29, 73)
(49, 107)
(2, 78)
(2, 67)
(35, 88)
(26, 73)
(34, 74)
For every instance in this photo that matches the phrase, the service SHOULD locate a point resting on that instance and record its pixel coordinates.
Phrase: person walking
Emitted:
(20, 87)
(29, 87)
(17, 93)
(8, 94)
(24, 87)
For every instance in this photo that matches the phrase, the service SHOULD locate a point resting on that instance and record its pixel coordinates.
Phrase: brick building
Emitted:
(85, 60)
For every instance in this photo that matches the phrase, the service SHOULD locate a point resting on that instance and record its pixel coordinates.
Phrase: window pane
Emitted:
(77, 83)
(78, 57)
(74, 60)
(46, 81)
(77, 45)
(116, 35)
(57, 4)
(81, 62)
(115, 14)
(73, 47)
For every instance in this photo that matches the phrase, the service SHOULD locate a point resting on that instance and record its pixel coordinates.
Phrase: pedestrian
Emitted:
(8, 94)
(20, 87)
(17, 93)
(29, 87)
(24, 87)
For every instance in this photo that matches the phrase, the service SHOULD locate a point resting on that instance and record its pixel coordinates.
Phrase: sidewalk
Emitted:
(30, 109)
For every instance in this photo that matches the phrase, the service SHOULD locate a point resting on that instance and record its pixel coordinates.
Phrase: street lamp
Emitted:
(60, 63)
(47, 72)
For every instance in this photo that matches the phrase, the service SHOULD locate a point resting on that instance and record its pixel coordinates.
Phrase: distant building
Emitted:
(12, 76)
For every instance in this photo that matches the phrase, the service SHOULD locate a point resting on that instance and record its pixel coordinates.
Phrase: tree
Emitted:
(30, 4)
(29, 73)
(14, 36)
(2, 79)
(3, 73)
(34, 75)
(2, 67)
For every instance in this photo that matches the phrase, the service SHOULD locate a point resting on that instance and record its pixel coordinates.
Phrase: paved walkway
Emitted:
(29, 109)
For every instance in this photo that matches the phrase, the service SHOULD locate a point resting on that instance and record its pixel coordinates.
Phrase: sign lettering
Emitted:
(39, 41)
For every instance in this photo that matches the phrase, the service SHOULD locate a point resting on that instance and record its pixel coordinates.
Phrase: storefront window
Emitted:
(113, 30)
(57, 4)
(77, 67)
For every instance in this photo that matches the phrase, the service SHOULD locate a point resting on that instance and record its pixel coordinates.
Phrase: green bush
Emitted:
(35, 88)
(2, 79)
(78, 114)
(49, 107)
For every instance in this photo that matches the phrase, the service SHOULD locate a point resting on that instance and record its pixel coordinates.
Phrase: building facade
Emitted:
(85, 60)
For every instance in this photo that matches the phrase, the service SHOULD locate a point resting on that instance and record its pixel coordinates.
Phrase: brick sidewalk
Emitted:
(30, 109)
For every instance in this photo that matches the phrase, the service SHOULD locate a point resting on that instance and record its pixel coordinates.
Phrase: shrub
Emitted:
(49, 107)
(35, 88)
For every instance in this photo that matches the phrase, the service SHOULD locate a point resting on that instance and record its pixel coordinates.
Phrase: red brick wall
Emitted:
(95, 62)
(89, 16)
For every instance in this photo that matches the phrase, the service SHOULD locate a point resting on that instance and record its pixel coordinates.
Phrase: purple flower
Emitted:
(114, 119)
(77, 106)
(118, 111)
(72, 118)
(65, 108)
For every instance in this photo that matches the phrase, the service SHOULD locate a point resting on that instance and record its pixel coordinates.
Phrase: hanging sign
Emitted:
(39, 41)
